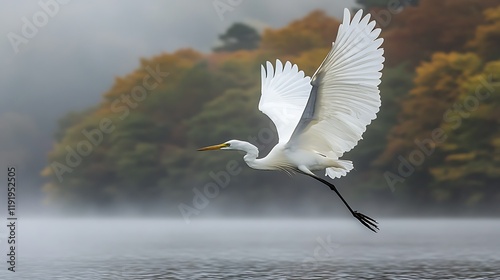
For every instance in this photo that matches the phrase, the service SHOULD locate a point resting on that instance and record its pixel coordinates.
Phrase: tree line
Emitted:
(435, 142)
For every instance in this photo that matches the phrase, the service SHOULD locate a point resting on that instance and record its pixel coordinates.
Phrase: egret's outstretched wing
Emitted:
(284, 96)
(345, 96)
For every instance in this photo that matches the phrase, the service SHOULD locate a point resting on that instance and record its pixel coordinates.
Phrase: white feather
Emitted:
(348, 95)
(284, 96)
(316, 128)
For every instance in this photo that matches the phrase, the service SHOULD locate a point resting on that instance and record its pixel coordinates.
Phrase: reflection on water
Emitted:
(255, 249)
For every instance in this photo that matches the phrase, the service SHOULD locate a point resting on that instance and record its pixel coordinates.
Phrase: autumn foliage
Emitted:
(440, 98)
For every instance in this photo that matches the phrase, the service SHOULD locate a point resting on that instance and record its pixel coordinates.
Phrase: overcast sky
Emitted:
(73, 58)
(77, 48)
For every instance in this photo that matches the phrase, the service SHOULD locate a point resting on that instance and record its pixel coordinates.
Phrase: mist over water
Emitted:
(255, 249)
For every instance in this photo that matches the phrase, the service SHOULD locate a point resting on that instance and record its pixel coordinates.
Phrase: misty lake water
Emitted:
(254, 249)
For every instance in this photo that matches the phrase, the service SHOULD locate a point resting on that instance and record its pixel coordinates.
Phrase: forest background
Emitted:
(434, 147)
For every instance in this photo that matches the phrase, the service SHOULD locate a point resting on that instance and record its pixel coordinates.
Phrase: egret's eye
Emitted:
(228, 144)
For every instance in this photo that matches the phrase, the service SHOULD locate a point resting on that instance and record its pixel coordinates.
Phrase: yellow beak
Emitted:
(214, 147)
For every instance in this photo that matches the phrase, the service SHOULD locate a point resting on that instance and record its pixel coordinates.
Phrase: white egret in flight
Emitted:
(318, 119)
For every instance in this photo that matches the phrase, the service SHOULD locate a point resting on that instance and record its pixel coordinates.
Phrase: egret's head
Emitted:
(228, 145)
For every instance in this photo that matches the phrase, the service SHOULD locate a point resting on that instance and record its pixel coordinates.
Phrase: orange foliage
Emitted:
(437, 87)
(445, 25)
(487, 39)
(171, 63)
(316, 30)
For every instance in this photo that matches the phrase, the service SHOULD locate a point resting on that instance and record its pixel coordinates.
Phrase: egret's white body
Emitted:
(284, 158)
(318, 119)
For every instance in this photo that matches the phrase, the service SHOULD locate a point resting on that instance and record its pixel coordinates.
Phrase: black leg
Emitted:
(365, 220)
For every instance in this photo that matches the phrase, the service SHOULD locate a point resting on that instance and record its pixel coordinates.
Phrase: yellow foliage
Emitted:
(474, 199)
(308, 61)
(442, 174)
(487, 39)
(173, 63)
(445, 71)
(495, 142)
(461, 157)
(290, 41)
(316, 30)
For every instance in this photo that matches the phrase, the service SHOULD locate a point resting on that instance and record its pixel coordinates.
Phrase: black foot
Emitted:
(366, 221)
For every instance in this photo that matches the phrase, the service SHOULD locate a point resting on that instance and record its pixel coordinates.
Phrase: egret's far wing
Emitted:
(345, 96)
(284, 96)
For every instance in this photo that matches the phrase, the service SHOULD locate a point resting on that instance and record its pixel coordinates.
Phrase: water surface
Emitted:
(254, 249)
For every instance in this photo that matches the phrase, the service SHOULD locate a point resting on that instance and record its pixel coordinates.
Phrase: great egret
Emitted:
(318, 119)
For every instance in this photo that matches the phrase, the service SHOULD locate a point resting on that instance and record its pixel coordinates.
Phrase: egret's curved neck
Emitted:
(252, 153)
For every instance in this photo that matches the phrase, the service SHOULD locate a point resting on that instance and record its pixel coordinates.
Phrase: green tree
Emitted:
(449, 125)
(468, 167)
(124, 164)
(149, 158)
(239, 37)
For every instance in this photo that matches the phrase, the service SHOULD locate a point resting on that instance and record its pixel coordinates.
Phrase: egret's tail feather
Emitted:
(337, 172)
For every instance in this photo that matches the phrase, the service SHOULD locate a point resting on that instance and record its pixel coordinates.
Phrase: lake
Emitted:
(254, 249)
